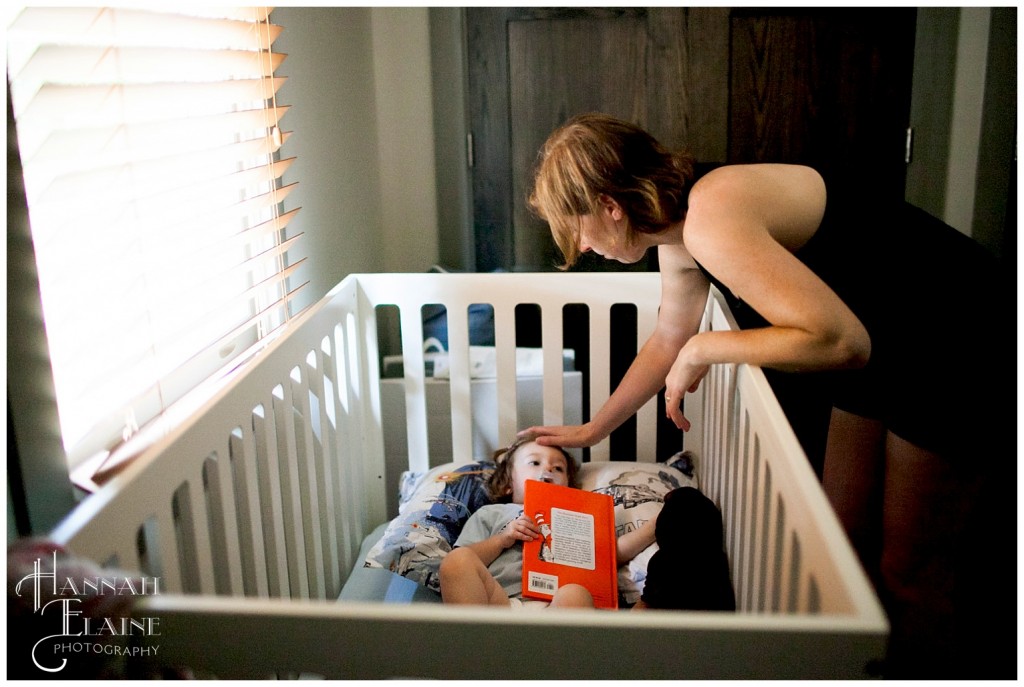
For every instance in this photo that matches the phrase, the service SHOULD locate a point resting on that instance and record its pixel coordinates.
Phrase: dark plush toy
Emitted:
(690, 569)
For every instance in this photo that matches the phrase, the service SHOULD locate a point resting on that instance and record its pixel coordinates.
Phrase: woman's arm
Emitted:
(743, 224)
(745, 221)
(684, 292)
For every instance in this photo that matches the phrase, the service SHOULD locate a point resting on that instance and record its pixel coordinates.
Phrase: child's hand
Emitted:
(522, 528)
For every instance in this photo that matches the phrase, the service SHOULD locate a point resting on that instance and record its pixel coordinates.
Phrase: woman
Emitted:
(864, 293)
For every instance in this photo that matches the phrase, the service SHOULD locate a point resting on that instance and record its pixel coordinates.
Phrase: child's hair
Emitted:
(499, 484)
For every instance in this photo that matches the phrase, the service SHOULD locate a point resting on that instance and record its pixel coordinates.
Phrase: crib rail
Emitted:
(552, 294)
(377, 641)
(269, 490)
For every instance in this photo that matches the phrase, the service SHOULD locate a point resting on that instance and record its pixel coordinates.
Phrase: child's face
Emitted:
(542, 463)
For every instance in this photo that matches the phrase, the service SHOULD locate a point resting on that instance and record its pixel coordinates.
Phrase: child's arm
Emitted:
(632, 543)
(522, 528)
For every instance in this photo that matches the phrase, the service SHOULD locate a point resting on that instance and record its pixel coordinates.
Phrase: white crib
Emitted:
(252, 513)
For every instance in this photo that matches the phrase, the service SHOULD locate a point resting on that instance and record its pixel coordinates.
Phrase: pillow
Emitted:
(432, 509)
(638, 491)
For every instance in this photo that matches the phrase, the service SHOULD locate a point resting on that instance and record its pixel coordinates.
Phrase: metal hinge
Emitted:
(908, 145)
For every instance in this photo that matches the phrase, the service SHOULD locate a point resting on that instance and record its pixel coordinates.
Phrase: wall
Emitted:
(359, 84)
(963, 115)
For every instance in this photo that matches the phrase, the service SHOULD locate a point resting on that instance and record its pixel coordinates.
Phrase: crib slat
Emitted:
(647, 416)
(242, 452)
(352, 465)
(333, 427)
(459, 382)
(505, 361)
(551, 325)
(600, 377)
(291, 499)
(752, 525)
(229, 500)
(323, 465)
(309, 486)
(415, 393)
(363, 357)
(272, 507)
(206, 531)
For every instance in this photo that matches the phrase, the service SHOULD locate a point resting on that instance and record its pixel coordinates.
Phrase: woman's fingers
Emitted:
(674, 412)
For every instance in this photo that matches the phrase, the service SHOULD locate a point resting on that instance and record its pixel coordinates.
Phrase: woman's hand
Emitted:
(566, 436)
(685, 376)
(522, 528)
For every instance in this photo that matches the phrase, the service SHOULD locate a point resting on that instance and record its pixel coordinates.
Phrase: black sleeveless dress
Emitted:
(939, 313)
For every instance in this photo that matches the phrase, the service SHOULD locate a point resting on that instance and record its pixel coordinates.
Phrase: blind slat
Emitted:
(97, 66)
(83, 149)
(77, 197)
(94, 106)
(158, 172)
(105, 26)
(181, 223)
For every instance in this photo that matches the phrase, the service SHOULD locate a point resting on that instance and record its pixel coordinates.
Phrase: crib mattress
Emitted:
(377, 584)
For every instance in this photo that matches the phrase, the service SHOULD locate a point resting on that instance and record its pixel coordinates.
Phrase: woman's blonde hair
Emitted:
(499, 484)
(595, 155)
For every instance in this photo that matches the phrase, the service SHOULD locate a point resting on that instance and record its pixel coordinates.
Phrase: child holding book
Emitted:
(485, 567)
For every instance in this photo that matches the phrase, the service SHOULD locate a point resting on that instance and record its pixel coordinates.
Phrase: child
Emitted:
(485, 568)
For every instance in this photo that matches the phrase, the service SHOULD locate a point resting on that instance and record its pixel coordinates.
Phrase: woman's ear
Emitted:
(612, 207)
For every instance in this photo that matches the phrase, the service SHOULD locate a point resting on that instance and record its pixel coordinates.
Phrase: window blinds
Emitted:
(150, 142)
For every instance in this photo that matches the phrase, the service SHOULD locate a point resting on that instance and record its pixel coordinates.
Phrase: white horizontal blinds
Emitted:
(150, 144)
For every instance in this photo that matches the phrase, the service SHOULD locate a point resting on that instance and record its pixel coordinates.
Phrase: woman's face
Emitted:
(542, 463)
(604, 233)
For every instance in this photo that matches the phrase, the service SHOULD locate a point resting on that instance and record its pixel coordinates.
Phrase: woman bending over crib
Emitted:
(887, 312)
(486, 565)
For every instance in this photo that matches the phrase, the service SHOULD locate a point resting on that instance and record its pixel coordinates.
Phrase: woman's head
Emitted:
(593, 159)
(524, 460)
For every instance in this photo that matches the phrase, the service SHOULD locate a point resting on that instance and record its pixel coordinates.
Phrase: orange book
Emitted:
(578, 546)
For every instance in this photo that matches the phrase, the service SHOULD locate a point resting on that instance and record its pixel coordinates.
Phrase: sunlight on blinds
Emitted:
(150, 142)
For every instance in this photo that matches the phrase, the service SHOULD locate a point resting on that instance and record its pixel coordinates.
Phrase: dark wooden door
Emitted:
(829, 88)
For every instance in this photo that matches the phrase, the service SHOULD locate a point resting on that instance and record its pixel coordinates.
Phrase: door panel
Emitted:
(827, 88)
(557, 68)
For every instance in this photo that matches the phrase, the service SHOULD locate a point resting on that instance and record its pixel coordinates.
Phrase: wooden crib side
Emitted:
(787, 550)
(270, 488)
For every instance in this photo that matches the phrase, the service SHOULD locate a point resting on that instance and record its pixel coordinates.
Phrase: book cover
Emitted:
(578, 545)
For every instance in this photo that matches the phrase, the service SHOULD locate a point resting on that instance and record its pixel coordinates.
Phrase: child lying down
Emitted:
(485, 567)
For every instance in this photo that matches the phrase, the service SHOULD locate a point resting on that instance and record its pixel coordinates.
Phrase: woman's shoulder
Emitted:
(786, 200)
(755, 177)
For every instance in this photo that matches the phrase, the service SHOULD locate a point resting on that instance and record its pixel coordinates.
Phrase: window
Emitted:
(149, 142)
